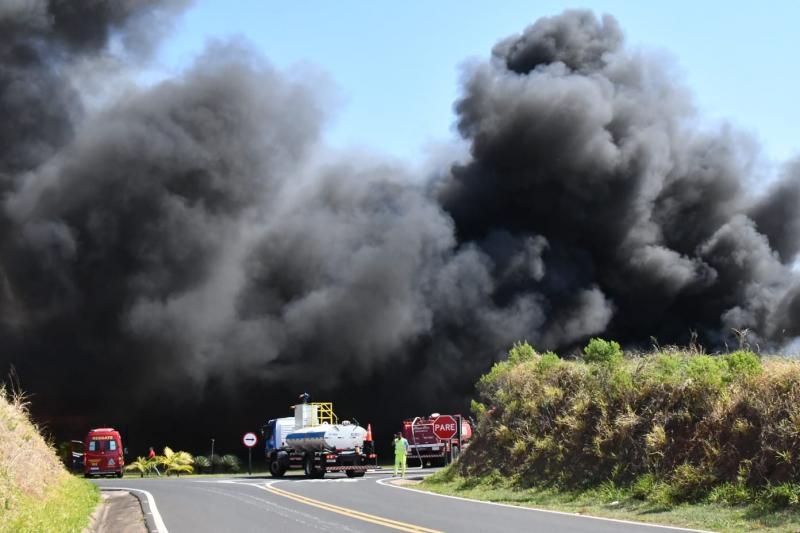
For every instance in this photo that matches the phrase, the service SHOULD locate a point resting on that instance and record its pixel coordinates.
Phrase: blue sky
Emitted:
(396, 66)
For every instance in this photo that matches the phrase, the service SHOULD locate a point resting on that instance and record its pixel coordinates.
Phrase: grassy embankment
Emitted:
(674, 436)
(36, 492)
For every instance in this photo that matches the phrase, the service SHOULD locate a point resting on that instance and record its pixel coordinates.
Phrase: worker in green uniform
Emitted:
(400, 451)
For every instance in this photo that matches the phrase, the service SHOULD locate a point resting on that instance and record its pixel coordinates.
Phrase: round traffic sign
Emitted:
(250, 439)
(445, 427)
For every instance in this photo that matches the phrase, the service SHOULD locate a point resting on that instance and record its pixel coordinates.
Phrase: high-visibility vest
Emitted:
(400, 446)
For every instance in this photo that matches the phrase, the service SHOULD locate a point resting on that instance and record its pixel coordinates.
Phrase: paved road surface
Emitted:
(337, 504)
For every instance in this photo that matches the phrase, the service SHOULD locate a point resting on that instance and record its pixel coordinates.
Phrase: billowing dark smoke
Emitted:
(593, 148)
(184, 259)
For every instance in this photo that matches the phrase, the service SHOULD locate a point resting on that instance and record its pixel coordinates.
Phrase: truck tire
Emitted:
(312, 471)
(120, 474)
(354, 473)
(278, 463)
(276, 469)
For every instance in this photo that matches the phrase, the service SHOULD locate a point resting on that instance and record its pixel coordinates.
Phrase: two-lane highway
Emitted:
(338, 503)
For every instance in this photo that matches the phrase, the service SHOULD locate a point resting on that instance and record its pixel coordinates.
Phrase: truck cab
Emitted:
(103, 453)
(275, 431)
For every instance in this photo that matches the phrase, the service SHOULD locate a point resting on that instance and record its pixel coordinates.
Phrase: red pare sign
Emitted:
(445, 427)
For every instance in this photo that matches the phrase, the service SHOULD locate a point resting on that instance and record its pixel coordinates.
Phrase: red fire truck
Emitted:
(437, 439)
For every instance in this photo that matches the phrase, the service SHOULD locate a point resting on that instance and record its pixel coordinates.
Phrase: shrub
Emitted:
(521, 352)
(602, 352)
(730, 494)
(689, 483)
(621, 380)
(666, 369)
(706, 372)
(477, 408)
(781, 496)
(672, 425)
(141, 465)
(215, 460)
(176, 462)
(445, 475)
(656, 440)
(742, 365)
(231, 463)
(608, 491)
(202, 463)
(549, 361)
(642, 488)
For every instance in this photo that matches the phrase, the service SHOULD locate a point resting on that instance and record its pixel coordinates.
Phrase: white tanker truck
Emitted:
(317, 442)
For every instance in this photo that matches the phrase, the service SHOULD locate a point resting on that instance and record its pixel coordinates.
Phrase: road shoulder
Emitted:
(120, 512)
(414, 484)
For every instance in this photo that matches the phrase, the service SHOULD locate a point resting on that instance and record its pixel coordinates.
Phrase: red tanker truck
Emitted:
(436, 439)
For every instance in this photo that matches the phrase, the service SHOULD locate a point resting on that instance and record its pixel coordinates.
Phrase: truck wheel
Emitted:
(276, 469)
(119, 474)
(353, 473)
(310, 470)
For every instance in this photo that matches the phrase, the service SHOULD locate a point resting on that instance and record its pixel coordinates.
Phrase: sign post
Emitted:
(249, 440)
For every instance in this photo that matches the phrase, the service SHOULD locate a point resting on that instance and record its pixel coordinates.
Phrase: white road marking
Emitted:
(151, 503)
(385, 483)
(334, 480)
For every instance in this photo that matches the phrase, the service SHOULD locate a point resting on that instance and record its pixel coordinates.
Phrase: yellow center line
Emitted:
(379, 520)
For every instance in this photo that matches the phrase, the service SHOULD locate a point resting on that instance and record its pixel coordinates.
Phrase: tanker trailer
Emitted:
(316, 441)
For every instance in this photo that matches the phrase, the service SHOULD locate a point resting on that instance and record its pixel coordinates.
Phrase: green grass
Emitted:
(65, 508)
(614, 502)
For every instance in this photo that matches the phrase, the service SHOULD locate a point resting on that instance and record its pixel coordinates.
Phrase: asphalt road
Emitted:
(248, 504)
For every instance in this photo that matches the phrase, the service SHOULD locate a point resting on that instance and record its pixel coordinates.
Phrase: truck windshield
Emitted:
(102, 445)
(268, 430)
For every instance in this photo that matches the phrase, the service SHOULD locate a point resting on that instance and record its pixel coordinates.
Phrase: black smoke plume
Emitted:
(184, 260)
(595, 149)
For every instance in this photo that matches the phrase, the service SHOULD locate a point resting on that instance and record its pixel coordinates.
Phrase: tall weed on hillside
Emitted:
(683, 421)
(28, 465)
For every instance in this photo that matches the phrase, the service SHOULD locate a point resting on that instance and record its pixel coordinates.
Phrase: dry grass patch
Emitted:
(36, 492)
(681, 425)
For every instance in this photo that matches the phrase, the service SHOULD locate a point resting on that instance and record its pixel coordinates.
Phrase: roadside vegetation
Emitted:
(217, 464)
(36, 492)
(675, 436)
(176, 463)
(170, 462)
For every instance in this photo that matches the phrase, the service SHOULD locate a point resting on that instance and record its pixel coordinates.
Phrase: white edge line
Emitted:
(525, 508)
(151, 503)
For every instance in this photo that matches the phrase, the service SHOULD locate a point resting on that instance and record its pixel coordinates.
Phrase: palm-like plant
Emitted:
(141, 464)
(202, 463)
(176, 462)
(231, 463)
